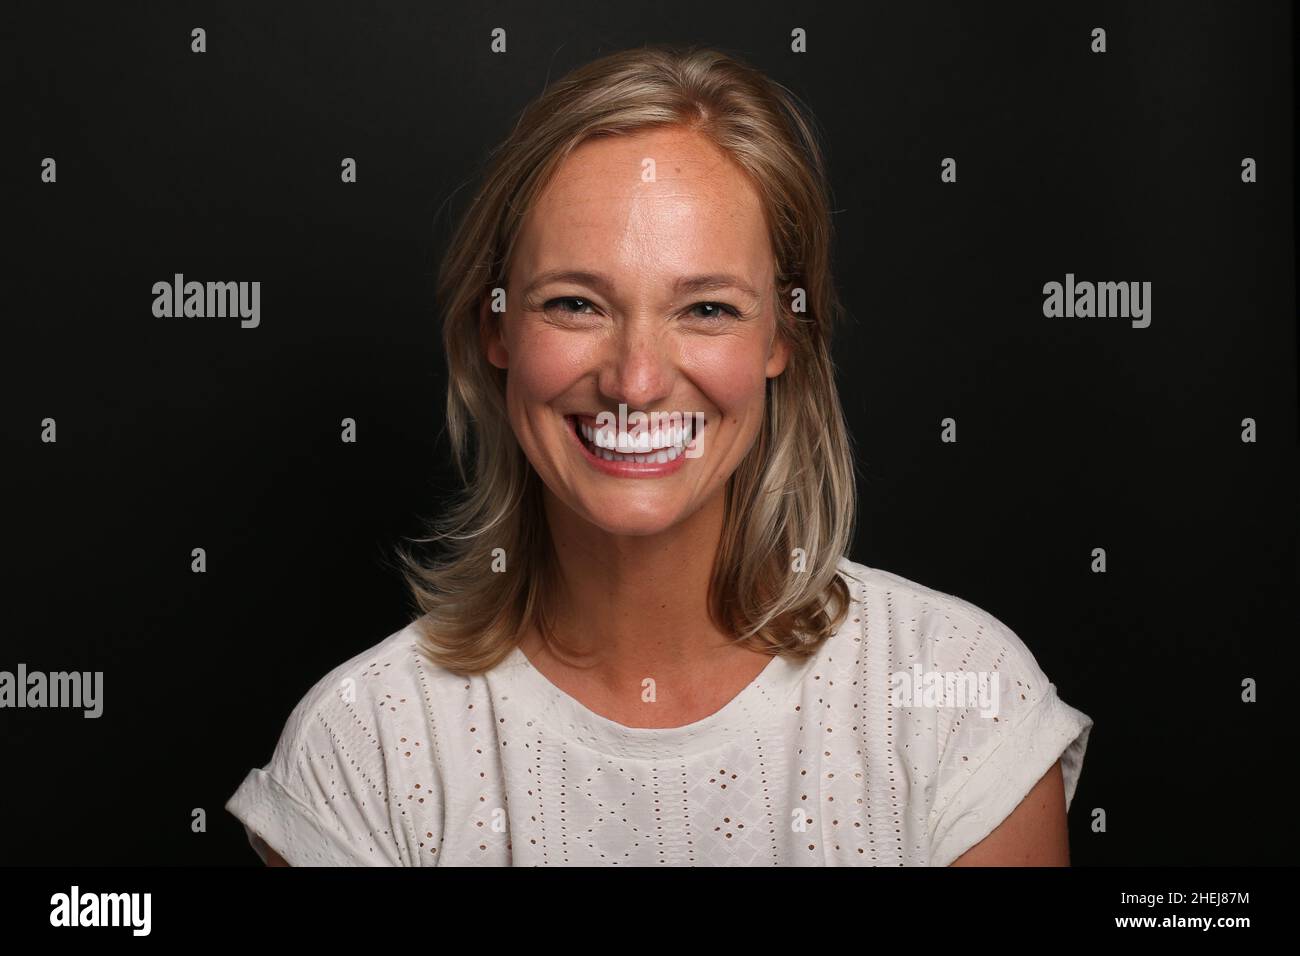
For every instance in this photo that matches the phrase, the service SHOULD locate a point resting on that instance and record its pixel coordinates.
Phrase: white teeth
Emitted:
(660, 446)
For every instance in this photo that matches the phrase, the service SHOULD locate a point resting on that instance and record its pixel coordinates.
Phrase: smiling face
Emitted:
(648, 286)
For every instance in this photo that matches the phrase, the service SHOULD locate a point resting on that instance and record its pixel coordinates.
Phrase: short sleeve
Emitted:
(323, 798)
(992, 754)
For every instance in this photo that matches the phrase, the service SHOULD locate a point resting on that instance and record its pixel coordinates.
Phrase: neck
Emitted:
(633, 605)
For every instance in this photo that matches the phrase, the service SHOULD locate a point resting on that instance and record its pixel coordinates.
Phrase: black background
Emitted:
(1073, 433)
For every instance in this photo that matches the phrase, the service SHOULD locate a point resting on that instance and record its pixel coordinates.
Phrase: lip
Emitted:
(622, 469)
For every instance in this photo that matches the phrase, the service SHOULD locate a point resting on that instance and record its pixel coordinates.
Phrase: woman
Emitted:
(661, 655)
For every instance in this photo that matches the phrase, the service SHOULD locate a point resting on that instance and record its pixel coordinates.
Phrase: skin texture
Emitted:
(635, 554)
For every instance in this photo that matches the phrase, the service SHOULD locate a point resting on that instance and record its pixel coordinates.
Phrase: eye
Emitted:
(720, 311)
(554, 304)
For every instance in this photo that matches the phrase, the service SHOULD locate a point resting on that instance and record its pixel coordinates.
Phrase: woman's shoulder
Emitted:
(390, 682)
(964, 675)
(355, 768)
(879, 583)
(942, 630)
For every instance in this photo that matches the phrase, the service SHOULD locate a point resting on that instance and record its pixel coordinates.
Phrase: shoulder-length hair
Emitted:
(789, 506)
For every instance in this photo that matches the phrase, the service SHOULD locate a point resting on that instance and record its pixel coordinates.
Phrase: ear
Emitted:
(778, 355)
(489, 330)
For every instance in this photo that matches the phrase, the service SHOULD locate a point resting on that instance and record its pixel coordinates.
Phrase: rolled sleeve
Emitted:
(274, 816)
(985, 784)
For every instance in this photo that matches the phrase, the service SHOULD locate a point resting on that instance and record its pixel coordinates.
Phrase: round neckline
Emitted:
(754, 705)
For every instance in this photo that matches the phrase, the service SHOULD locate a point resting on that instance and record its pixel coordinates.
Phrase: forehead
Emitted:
(653, 204)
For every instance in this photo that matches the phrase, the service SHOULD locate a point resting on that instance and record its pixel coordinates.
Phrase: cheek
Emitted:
(731, 373)
(545, 363)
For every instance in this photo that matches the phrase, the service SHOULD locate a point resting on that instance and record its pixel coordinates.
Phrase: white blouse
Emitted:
(915, 729)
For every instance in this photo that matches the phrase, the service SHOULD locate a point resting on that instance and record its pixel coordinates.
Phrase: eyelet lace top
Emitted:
(866, 754)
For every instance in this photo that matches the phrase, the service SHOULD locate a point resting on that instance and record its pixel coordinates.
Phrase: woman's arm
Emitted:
(266, 853)
(1035, 834)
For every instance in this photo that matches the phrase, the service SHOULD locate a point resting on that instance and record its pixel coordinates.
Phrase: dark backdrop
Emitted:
(1073, 433)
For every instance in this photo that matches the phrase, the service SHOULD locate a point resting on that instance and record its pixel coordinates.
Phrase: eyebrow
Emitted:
(684, 285)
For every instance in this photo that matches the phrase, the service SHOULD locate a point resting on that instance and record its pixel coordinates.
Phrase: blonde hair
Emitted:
(795, 488)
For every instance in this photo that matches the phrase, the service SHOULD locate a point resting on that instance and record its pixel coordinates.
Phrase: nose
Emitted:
(639, 368)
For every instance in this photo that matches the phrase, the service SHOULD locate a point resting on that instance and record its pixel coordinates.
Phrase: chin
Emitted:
(626, 517)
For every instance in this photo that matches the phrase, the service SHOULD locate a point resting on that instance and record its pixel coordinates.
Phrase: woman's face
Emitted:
(643, 276)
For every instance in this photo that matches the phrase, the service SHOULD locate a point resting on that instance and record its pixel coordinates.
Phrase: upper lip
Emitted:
(589, 418)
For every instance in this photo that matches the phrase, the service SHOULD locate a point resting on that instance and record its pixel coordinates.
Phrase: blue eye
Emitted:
(576, 305)
(567, 298)
(724, 310)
